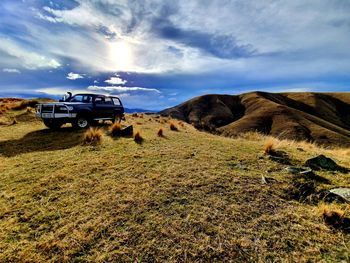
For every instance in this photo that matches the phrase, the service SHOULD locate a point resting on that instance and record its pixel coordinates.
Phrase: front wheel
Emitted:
(81, 122)
(52, 124)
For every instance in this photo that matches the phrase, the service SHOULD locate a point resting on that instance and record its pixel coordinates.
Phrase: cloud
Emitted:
(11, 70)
(74, 76)
(119, 89)
(18, 56)
(115, 81)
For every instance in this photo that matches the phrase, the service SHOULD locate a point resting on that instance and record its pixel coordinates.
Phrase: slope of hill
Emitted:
(323, 118)
(188, 196)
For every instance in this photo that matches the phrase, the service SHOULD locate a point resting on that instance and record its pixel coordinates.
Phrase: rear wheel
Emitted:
(53, 124)
(81, 122)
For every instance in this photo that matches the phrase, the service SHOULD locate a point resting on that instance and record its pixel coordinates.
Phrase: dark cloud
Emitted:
(221, 46)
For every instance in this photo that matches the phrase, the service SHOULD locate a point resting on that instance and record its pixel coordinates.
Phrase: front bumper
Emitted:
(54, 111)
(56, 115)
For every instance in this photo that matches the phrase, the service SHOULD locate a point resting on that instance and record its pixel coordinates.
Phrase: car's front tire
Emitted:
(52, 124)
(81, 122)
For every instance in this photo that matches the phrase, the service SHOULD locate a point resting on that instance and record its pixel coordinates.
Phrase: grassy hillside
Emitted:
(188, 196)
(323, 118)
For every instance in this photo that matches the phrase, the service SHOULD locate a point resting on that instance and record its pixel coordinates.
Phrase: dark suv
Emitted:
(81, 110)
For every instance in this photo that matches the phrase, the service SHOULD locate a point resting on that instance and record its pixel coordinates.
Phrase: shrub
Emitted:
(138, 138)
(173, 127)
(334, 216)
(93, 136)
(29, 110)
(160, 133)
(134, 115)
(269, 147)
(115, 129)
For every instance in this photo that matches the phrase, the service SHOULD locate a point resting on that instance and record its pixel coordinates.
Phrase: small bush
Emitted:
(138, 138)
(29, 110)
(269, 147)
(93, 136)
(334, 216)
(134, 115)
(160, 133)
(115, 129)
(173, 127)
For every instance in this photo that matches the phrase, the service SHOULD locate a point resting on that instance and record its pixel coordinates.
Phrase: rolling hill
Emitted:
(323, 118)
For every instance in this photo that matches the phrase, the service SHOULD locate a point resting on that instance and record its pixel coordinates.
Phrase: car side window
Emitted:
(116, 102)
(87, 99)
(108, 101)
(99, 100)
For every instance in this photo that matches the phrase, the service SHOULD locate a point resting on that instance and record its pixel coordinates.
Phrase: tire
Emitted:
(81, 122)
(52, 124)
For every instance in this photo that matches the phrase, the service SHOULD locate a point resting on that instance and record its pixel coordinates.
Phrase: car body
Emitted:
(81, 110)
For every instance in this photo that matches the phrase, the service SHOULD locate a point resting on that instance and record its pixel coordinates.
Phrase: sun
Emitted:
(121, 56)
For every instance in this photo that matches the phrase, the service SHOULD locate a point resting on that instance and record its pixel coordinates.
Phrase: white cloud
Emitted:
(11, 70)
(74, 76)
(120, 89)
(19, 56)
(115, 81)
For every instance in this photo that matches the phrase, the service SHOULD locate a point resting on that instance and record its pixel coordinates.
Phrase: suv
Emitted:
(81, 110)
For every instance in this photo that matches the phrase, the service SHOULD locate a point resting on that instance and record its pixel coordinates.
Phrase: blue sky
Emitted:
(155, 54)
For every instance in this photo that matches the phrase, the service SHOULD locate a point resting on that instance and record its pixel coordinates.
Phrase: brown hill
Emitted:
(323, 118)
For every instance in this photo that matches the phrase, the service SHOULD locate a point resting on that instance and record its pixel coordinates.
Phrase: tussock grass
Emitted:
(93, 136)
(138, 138)
(115, 129)
(173, 127)
(160, 133)
(335, 216)
(269, 147)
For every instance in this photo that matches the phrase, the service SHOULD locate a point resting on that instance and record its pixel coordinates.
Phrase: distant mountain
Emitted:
(130, 110)
(323, 118)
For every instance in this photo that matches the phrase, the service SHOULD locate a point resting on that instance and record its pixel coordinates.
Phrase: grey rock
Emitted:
(342, 192)
(323, 162)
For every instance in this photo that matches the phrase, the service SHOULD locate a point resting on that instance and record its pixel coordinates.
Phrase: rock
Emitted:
(323, 162)
(342, 192)
(294, 170)
(127, 131)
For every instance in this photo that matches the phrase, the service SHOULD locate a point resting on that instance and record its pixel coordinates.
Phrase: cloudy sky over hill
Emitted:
(155, 54)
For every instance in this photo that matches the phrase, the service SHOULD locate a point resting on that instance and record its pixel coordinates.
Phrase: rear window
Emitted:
(116, 101)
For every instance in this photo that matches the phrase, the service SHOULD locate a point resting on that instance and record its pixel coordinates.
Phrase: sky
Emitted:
(156, 54)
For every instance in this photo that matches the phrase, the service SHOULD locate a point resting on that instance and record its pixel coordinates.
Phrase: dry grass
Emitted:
(269, 146)
(335, 215)
(138, 138)
(173, 127)
(115, 128)
(93, 136)
(160, 133)
(63, 202)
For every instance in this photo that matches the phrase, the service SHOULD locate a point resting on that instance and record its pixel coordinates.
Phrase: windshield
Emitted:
(81, 98)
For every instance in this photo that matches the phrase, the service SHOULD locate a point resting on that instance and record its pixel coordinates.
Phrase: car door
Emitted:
(103, 107)
(99, 108)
